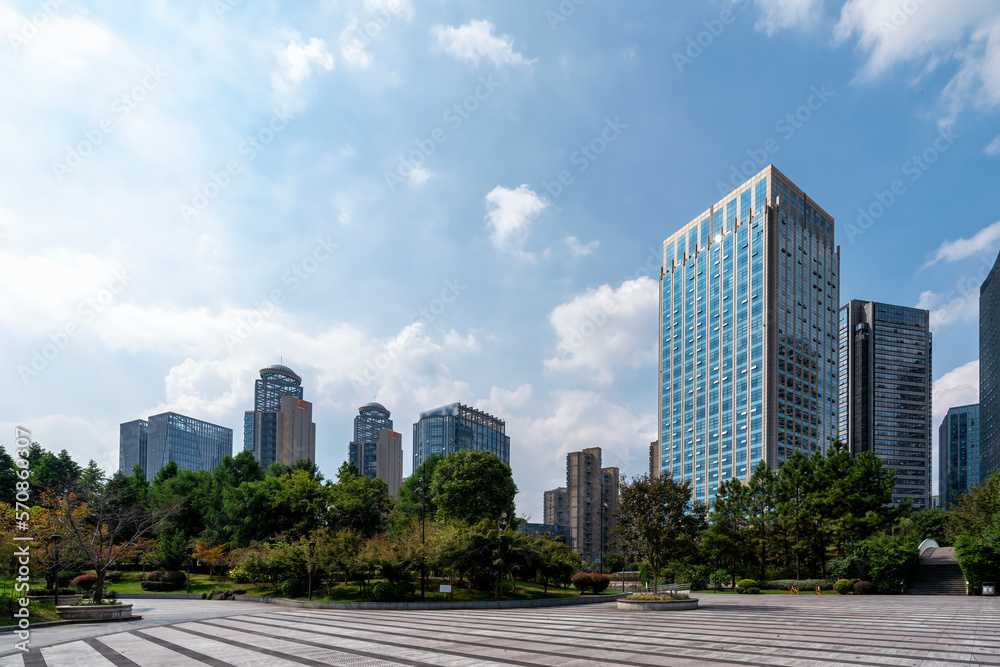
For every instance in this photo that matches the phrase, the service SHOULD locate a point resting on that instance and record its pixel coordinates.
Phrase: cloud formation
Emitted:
(781, 14)
(475, 41)
(983, 241)
(510, 214)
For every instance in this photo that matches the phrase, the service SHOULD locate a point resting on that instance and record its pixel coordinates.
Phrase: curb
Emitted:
(159, 596)
(48, 624)
(398, 606)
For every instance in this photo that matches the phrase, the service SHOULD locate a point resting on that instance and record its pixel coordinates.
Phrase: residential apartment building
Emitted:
(586, 504)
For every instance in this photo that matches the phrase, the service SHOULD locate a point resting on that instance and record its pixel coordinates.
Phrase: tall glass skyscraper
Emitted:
(280, 427)
(453, 427)
(885, 391)
(377, 450)
(749, 294)
(191, 443)
(132, 445)
(989, 372)
(958, 453)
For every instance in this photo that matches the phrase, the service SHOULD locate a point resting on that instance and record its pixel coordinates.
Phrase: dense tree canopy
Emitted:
(472, 486)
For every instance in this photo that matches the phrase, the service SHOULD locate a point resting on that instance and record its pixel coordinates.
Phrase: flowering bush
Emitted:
(160, 580)
(85, 582)
(586, 581)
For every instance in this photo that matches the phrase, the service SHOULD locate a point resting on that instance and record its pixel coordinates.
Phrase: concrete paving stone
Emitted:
(142, 651)
(71, 655)
(12, 660)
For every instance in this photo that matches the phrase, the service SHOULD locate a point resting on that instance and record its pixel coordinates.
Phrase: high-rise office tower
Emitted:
(132, 445)
(190, 443)
(589, 499)
(958, 452)
(454, 427)
(885, 391)
(377, 450)
(989, 372)
(280, 427)
(749, 294)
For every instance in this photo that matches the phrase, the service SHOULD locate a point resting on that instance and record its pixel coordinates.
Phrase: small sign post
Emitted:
(446, 588)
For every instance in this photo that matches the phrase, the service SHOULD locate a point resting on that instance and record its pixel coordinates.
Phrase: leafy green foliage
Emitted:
(843, 586)
(658, 522)
(472, 486)
(747, 586)
(865, 588)
(976, 518)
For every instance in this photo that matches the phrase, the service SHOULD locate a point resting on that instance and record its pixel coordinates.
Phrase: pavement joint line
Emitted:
(183, 650)
(300, 659)
(109, 653)
(827, 646)
(699, 650)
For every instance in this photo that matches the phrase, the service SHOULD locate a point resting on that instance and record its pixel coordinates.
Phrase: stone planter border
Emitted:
(658, 605)
(95, 613)
(486, 604)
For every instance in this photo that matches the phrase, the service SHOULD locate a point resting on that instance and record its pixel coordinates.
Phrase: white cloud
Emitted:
(353, 45)
(956, 306)
(510, 214)
(381, 8)
(580, 249)
(295, 60)
(932, 33)
(419, 175)
(475, 41)
(993, 148)
(959, 386)
(982, 241)
(780, 14)
(605, 329)
(571, 421)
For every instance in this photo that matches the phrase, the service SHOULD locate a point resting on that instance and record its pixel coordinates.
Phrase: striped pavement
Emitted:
(728, 629)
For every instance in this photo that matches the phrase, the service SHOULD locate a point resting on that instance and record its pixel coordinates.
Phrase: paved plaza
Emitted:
(728, 629)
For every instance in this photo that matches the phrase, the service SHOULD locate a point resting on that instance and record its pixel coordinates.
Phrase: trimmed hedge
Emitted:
(588, 581)
(388, 591)
(295, 587)
(747, 586)
(865, 588)
(159, 581)
(843, 586)
(85, 582)
(801, 584)
(38, 592)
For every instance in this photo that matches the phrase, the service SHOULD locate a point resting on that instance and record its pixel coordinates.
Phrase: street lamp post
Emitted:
(189, 551)
(56, 538)
(502, 539)
(423, 571)
(311, 545)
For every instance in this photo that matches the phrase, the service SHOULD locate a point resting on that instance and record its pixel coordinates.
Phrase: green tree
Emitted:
(658, 522)
(410, 495)
(934, 524)
(727, 539)
(359, 503)
(471, 486)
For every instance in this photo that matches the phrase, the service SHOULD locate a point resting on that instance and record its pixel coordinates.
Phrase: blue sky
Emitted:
(430, 202)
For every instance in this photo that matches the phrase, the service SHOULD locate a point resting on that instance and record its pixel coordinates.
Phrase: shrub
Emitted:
(582, 581)
(864, 588)
(843, 586)
(747, 586)
(295, 587)
(599, 582)
(38, 592)
(388, 591)
(113, 576)
(801, 584)
(85, 582)
(8, 605)
(658, 597)
(240, 576)
(160, 581)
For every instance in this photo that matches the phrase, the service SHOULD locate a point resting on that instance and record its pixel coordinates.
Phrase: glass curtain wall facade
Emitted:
(748, 317)
(989, 372)
(958, 452)
(363, 450)
(191, 443)
(132, 444)
(885, 391)
(454, 427)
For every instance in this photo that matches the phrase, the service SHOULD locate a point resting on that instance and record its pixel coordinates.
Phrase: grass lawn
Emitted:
(40, 613)
(351, 593)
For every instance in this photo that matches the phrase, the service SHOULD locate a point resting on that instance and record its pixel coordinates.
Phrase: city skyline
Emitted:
(192, 193)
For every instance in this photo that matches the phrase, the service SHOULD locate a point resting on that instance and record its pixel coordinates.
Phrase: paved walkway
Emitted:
(729, 629)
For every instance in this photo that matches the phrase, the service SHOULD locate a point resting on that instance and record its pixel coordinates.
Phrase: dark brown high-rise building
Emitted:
(280, 428)
(586, 505)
